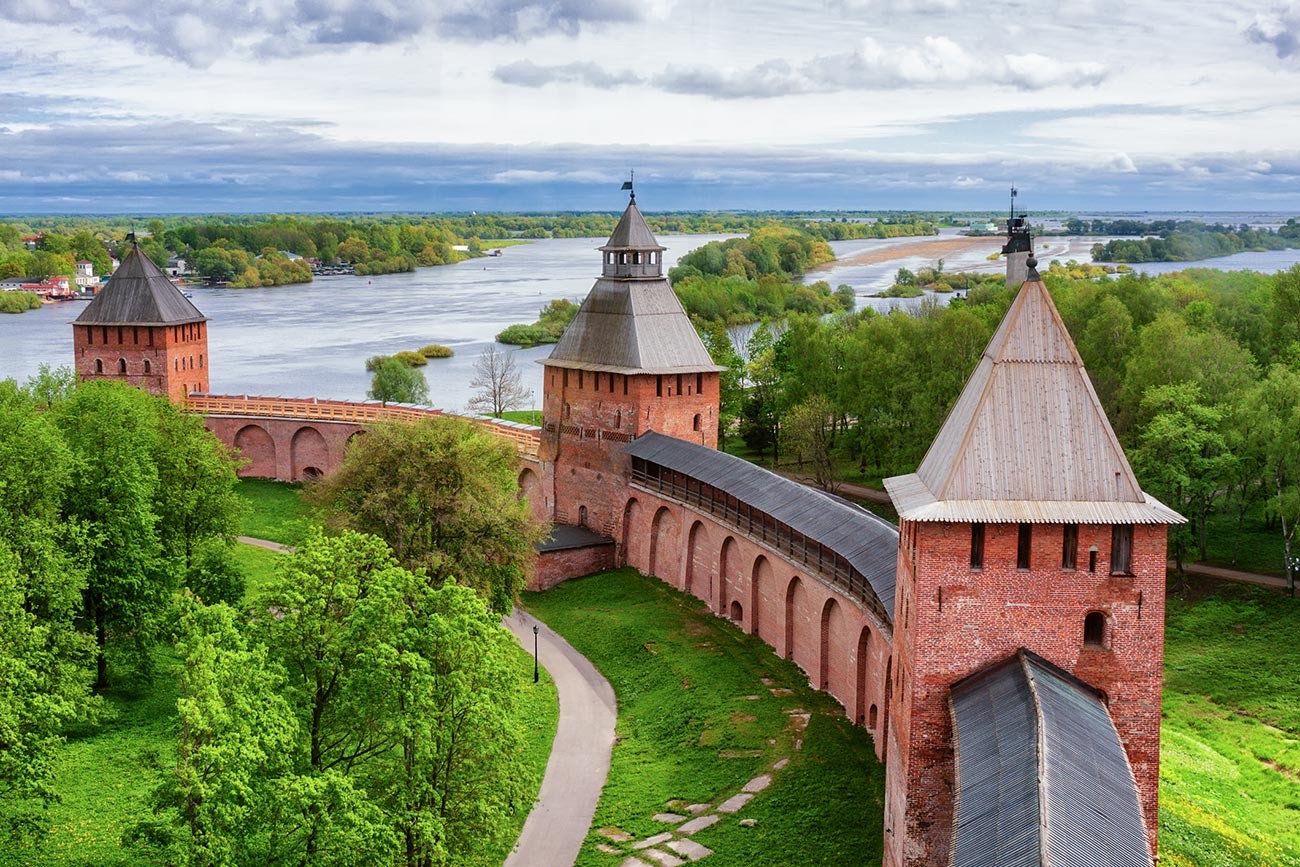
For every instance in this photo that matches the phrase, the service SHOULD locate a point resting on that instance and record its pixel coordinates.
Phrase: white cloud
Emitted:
(1279, 28)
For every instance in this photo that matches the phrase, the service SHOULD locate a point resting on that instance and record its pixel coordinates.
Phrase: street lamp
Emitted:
(535, 672)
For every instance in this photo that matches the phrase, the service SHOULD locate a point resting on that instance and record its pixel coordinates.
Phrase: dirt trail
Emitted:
(933, 248)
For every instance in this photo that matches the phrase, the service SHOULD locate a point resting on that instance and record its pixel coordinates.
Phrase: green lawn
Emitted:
(275, 510)
(1259, 548)
(1230, 751)
(696, 722)
(257, 564)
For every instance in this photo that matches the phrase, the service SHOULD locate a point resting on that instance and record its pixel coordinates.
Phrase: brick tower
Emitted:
(140, 329)
(1023, 529)
(630, 362)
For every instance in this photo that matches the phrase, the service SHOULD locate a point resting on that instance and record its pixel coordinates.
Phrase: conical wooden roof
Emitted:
(139, 293)
(632, 233)
(1028, 439)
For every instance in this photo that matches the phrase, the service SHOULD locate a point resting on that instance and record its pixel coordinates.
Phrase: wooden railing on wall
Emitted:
(525, 437)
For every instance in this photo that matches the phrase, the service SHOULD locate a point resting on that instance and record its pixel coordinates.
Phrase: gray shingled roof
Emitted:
(1042, 778)
(566, 536)
(1028, 431)
(632, 327)
(139, 294)
(868, 542)
(632, 233)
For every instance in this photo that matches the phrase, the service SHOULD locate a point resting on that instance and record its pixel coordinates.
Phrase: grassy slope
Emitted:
(526, 416)
(275, 510)
(682, 676)
(1230, 753)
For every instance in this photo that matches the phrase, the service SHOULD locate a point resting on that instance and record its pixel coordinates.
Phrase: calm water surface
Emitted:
(312, 340)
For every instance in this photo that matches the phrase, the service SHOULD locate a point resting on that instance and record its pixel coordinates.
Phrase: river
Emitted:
(312, 339)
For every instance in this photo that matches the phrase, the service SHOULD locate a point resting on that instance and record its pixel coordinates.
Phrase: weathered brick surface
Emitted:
(283, 448)
(986, 616)
(171, 360)
(553, 567)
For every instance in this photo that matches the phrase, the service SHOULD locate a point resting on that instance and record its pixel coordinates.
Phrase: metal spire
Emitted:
(627, 185)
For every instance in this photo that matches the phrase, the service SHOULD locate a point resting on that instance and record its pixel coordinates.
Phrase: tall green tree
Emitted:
(731, 389)
(443, 493)
(395, 381)
(1271, 411)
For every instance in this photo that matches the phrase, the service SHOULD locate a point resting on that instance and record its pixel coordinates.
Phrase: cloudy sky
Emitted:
(381, 105)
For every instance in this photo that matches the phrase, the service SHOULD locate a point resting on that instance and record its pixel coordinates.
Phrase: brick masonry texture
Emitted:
(171, 360)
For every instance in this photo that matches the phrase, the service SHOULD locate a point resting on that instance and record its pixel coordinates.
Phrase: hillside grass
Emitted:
(276, 511)
(525, 416)
(1259, 548)
(696, 722)
(1230, 739)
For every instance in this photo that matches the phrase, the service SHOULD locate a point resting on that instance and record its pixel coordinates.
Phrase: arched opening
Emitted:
(871, 718)
(663, 529)
(631, 514)
(697, 542)
(1094, 629)
(148, 368)
(530, 486)
(728, 570)
(311, 473)
(257, 448)
(121, 365)
(737, 613)
(864, 670)
(582, 516)
(307, 449)
(761, 583)
(695, 423)
(830, 620)
(99, 365)
(792, 597)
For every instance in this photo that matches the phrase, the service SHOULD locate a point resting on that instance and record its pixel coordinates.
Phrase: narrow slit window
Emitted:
(1023, 545)
(1121, 549)
(977, 546)
(1070, 546)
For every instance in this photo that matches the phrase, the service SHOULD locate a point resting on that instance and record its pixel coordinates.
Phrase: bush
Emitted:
(17, 302)
(412, 359)
(525, 335)
(374, 362)
(436, 350)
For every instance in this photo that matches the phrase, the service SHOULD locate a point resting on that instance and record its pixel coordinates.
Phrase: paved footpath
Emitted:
(579, 763)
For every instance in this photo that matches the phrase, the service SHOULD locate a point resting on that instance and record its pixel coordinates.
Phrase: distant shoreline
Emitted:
(932, 248)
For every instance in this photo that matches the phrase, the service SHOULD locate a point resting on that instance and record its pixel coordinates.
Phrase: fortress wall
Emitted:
(842, 647)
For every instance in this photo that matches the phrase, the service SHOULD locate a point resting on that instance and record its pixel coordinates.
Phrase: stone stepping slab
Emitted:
(758, 784)
(735, 802)
(663, 858)
(699, 823)
(690, 850)
(653, 841)
(671, 818)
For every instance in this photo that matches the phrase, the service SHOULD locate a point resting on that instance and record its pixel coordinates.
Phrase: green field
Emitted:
(526, 416)
(697, 721)
(275, 512)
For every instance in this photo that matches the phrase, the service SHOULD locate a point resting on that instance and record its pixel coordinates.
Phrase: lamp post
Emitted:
(535, 672)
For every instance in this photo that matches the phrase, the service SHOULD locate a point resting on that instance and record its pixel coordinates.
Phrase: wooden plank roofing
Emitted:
(1028, 439)
(1042, 777)
(139, 293)
(868, 542)
(632, 233)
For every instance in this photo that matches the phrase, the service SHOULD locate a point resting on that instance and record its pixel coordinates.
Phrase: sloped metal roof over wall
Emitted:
(1042, 778)
(868, 542)
(139, 293)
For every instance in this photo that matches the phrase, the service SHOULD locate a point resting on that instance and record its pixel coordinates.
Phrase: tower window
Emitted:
(1023, 545)
(580, 380)
(121, 365)
(135, 335)
(103, 333)
(566, 377)
(1070, 546)
(147, 366)
(90, 336)
(977, 546)
(99, 365)
(679, 385)
(699, 383)
(150, 334)
(1094, 629)
(695, 424)
(659, 385)
(1121, 549)
(625, 383)
(119, 336)
(200, 360)
(582, 516)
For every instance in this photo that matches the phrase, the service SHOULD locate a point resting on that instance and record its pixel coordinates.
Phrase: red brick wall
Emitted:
(855, 683)
(553, 567)
(284, 448)
(986, 616)
(177, 356)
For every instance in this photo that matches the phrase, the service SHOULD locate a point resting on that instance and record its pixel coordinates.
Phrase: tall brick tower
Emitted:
(630, 362)
(1023, 529)
(140, 329)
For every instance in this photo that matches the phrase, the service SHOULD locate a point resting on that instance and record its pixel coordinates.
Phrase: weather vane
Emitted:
(627, 185)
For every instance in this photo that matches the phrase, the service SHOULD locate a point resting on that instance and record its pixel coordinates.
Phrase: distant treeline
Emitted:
(1183, 240)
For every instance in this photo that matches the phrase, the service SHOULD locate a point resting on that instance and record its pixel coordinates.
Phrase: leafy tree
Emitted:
(731, 387)
(807, 432)
(497, 382)
(110, 430)
(395, 381)
(762, 412)
(444, 495)
(1271, 413)
(1183, 458)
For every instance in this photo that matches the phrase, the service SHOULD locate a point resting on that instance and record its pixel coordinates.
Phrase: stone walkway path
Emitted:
(579, 762)
(265, 543)
(673, 847)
